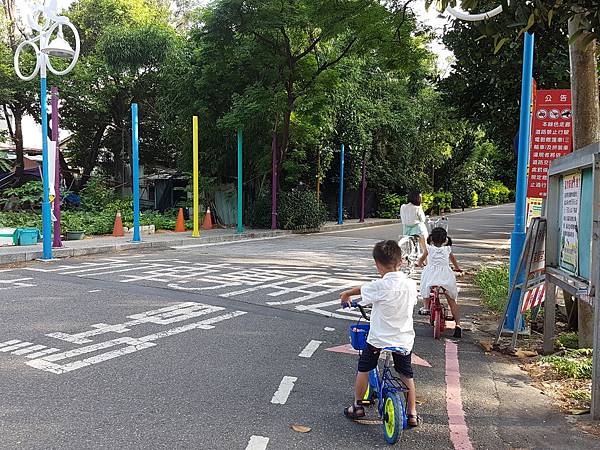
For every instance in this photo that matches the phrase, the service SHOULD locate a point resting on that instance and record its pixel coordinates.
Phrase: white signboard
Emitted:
(569, 247)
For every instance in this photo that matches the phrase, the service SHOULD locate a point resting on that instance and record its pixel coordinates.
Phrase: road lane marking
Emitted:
(26, 350)
(16, 346)
(239, 241)
(347, 348)
(459, 433)
(43, 353)
(284, 391)
(257, 443)
(310, 349)
(14, 341)
(329, 329)
(93, 291)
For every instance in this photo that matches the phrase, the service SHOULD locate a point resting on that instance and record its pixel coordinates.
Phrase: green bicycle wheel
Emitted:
(393, 413)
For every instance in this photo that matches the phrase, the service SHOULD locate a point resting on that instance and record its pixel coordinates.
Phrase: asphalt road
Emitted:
(192, 348)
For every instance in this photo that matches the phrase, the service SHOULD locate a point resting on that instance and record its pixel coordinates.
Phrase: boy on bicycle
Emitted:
(393, 297)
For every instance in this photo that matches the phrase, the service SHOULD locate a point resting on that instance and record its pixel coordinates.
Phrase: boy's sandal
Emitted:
(414, 420)
(358, 412)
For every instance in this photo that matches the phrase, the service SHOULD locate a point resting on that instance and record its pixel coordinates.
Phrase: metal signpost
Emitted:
(573, 244)
(518, 235)
(45, 21)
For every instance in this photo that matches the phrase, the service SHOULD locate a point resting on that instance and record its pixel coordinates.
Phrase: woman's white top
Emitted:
(438, 271)
(411, 214)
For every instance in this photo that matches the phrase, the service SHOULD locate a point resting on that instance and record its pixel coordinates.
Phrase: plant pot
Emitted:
(75, 235)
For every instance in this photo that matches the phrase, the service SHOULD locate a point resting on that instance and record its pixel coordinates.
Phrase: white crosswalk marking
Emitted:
(26, 350)
(10, 348)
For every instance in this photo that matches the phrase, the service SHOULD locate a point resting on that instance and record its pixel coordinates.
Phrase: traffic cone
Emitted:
(118, 228)
(180, 226)
(207, 223)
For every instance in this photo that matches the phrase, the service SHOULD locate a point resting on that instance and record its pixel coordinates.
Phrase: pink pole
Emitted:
(363, 188)
(274, 185)
(56, 243)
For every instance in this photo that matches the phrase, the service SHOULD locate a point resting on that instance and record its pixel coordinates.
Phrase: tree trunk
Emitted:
(586, 130)
(18, 141)
(92, 160)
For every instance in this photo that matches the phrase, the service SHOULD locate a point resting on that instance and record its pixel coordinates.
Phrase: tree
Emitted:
(17, 98)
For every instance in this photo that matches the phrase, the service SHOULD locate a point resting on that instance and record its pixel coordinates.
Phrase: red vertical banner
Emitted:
(551, 137)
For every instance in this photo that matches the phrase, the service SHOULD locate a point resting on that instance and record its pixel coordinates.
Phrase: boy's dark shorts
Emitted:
(369, 357)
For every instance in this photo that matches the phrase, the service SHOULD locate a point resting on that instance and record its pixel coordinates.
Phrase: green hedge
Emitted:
(389, 206)
(300, 210)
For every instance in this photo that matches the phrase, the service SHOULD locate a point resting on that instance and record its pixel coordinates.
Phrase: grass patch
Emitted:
(574, 364)
(581, 395)
(493, 282)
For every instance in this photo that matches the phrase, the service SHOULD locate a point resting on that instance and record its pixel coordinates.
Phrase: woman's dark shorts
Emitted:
(369, 357)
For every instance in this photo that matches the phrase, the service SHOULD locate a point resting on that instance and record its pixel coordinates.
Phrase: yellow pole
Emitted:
(196, 231)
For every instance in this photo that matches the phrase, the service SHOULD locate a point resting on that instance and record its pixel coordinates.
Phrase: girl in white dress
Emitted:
(438, 273)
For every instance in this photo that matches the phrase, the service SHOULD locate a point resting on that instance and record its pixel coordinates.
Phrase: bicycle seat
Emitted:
(400, 350)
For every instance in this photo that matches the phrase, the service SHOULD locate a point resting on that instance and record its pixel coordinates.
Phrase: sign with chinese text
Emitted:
(569, 235)
(551, 137)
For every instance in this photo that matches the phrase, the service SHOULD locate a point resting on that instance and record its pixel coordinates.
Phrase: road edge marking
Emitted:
(459, 432)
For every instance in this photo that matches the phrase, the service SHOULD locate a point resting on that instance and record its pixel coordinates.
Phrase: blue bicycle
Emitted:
(385, 388)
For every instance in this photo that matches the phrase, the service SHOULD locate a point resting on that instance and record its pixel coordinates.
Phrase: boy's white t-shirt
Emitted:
(393, 297)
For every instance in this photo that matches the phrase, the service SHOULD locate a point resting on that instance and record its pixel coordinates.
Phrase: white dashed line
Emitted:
(94, 290)
(16, 346)
(284, 391)
(329, 329)
(310, 349)
(257, 443)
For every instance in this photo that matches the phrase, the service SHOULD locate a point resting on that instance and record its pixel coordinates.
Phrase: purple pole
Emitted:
(274, 185)
(56, 243)
(363, 188)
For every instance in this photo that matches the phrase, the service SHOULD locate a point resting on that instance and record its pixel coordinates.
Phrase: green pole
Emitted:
(240, 226)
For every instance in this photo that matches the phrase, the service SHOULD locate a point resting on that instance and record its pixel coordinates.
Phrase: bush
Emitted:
(493, 282)
(27, 196)
(389, 206)
(494, 193)
(568, 340)
(426, 202)
(260, 213)
(442, 201)
(97, 194)
(474, 199)
(300, 210)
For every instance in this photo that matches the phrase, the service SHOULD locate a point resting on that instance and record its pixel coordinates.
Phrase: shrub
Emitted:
(493, 282)
(494, 193)
(260, 213)
(300, 210)
(442, 201)
(568, 340)
(474, 199)
(426, 202)
(389, 206)
(97, 194)
(27, 196)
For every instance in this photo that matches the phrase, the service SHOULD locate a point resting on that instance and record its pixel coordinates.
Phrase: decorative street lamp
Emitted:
(45, 21)
(517, 240)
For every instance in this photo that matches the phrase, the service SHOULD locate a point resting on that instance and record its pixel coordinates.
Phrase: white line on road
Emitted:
(239, 241)
(43, 353)
(257, 443)
(14, 341)
(310, 349)
(94, 291)
(284, 391)
(16, 346)
(24, 351)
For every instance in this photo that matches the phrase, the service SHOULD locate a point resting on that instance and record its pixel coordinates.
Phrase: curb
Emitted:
(59, 253)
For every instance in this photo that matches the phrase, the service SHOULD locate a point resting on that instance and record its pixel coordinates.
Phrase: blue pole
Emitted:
(46, 216)
(240, 226)
(136, 172)
(341, 211)
(518, 235)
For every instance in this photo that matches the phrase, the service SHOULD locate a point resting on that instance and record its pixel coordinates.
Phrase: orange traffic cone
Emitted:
(180, 226)
(207, 223)
(118, 228)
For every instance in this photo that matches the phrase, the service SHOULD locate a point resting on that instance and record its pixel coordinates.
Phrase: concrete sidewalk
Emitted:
(162, 240)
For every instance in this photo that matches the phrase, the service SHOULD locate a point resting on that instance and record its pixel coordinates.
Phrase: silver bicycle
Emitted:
(411, 250)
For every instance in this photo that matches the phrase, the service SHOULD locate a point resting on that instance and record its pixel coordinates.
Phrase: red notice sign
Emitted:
(551, 137)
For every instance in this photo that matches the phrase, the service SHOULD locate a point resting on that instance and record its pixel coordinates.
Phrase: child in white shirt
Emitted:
(393, 297)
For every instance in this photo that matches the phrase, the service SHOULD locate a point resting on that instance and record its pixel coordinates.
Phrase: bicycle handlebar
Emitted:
(355, 304)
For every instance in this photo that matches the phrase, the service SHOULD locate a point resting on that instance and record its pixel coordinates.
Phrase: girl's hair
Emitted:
(439, 237)
(414, 197)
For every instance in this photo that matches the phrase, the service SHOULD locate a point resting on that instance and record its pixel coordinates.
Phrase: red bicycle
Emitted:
(438, 310)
